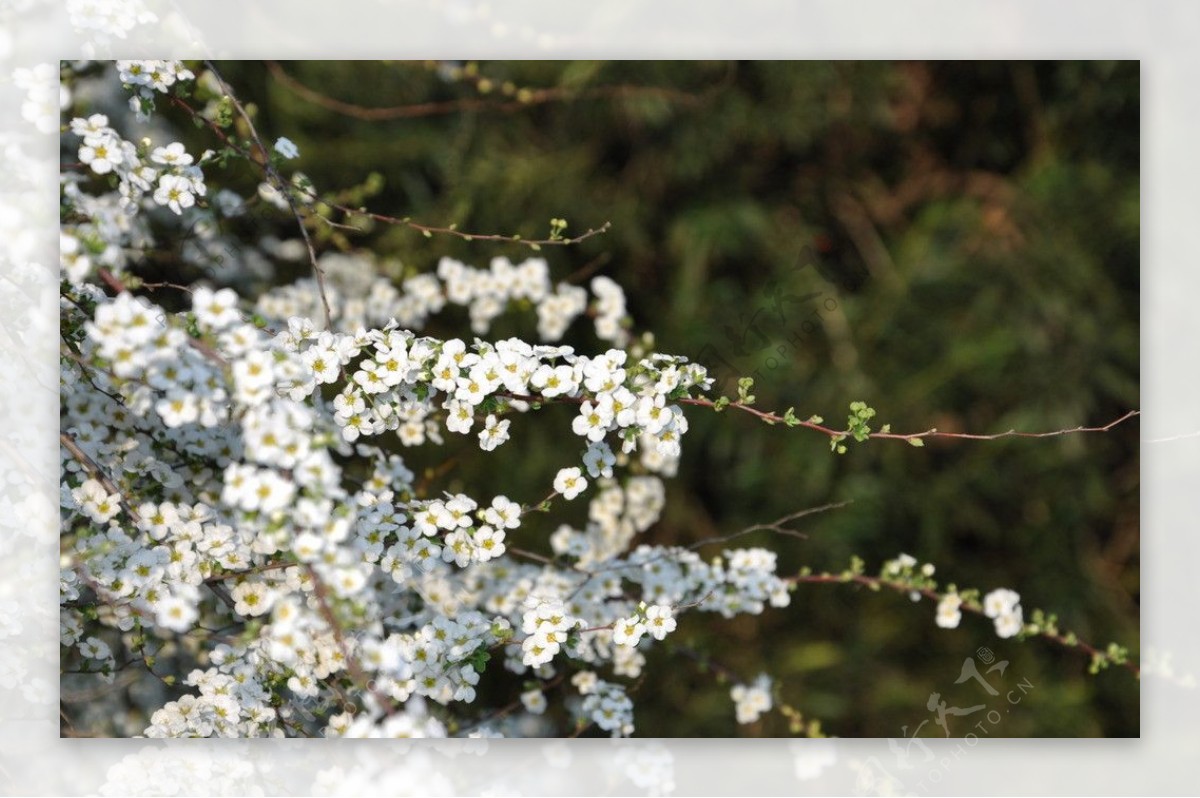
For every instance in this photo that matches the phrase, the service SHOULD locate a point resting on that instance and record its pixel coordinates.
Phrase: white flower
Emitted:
(660, 620)
(503, 514)
(585, 681)
(286, 148)
(252, 599)
(620, 406)
(948, 612)
(175, 192)
(592, 422)
(97, 502)
(546, 627)
(570, 482)
(1010, 624)
(489, 543)
(554, 380)
(599, 460)
(95, 648)
(460, 416)
(178, 408)
(175, 614)
(628, 631)
(534, 701)
(171, 155)
(1004, 606)
(1000, 602)
(371, 377)
(459, 548)
(323, 361)
(470, 390)
(102, 152)
(537, 649)
(494, 433)
(87, 127)
(215, 310)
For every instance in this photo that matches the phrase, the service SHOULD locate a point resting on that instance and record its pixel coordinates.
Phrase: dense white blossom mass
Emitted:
(238, 503)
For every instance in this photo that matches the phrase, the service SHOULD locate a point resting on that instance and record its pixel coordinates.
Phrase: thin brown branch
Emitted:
(878, 583)
(774, 418)
(588, 269)
(532, 243)
(540, 506)
(776, 526)
(95, 472)
(258, 569)
(427, 229)
(284, 188)
(530, 555)
(355, 669)
(527, 98)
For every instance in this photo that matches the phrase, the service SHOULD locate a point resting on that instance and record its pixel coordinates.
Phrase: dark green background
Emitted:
(975, 228)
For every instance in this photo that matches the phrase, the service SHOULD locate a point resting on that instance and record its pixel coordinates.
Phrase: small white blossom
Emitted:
(948, 612)
(286, 148)
(569, 482)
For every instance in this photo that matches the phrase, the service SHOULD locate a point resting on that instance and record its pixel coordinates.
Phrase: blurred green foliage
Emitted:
(973, 231)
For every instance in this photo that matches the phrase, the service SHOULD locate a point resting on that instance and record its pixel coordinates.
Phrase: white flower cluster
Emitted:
(231, 433)
(487, 292)
(393, 380)
(97, 502)
(411, 723)
(657, 621)
(608, 706)
(106, 235)
(546, 627)
(169, 174)
(100, 19)
(150, 77)
(360, 297)
(108, 229)
(1004, 607)
(227, 705)
(228, 476)
(44, 96)
(610, 311)
(151, 569)
(948, 611)
(751, 701)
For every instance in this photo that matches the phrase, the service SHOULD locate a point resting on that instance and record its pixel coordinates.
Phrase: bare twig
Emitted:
(427, 229)
(776, 526)
(283, 187)
(527, 98)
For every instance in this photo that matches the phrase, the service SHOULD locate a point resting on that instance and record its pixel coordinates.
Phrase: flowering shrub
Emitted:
(237, 502)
